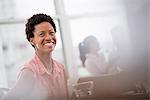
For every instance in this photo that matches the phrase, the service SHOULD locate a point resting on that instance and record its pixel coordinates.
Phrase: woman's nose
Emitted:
(48, 36)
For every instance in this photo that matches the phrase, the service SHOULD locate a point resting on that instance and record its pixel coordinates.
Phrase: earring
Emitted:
(31, 43)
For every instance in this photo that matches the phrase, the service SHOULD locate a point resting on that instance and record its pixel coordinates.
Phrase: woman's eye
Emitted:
(41, 34)
(52, 33)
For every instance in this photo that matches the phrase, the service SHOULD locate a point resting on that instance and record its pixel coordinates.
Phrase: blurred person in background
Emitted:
(92, 58)
(42, 77)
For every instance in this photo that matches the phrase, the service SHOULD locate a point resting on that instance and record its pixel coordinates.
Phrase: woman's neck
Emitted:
(46, 59)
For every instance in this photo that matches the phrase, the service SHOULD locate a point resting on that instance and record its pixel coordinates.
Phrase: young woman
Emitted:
(42, 77)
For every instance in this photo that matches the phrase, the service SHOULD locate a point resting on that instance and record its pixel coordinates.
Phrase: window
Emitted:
(24, 9)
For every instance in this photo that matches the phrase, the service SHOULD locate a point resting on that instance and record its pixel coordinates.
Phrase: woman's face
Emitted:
(94, 46)
(44, 38)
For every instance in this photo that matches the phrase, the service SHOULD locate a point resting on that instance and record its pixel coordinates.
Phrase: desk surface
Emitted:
(120, 97)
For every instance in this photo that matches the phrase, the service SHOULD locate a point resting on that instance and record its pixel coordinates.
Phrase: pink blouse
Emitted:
(47, 86)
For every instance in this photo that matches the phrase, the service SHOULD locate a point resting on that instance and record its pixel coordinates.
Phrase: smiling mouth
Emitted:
(50, 45)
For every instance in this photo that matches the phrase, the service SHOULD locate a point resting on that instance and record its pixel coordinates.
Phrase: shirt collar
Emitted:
(41, 68)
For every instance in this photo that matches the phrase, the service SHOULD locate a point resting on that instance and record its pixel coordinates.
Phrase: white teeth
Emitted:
(49, 45)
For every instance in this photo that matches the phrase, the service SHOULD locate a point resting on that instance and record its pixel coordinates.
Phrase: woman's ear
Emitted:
(32, 41)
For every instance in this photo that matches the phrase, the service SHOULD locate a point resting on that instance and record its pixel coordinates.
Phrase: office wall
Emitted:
(137, 19)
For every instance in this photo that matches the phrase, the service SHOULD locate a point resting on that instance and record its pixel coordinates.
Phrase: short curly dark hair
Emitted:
(37, 19)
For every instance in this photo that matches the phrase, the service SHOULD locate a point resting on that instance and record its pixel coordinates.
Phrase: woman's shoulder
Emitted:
(29, 61)
(26, 76)
(27, 72)
(58, 64)
(29, 66)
